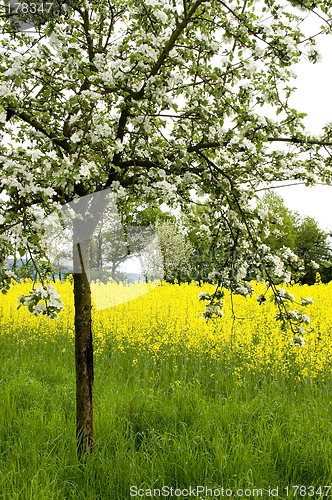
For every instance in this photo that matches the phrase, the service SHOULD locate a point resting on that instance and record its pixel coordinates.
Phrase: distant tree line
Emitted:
(302, 235)
(187, 255)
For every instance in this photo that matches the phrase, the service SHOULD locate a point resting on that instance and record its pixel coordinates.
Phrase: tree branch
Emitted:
(169, 46)
(26, 117)
(295, 140)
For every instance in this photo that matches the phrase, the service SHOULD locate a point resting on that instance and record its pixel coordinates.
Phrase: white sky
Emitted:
(314, 97)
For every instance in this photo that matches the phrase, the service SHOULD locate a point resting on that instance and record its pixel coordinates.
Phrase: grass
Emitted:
(182, 419)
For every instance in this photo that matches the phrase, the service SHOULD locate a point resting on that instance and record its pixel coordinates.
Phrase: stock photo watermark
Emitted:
(25, 15)
(204, 492)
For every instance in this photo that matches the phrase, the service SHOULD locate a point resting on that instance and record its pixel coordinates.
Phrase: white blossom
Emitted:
(306, 301)
(298, 341)
(161, 16)
(262, 213)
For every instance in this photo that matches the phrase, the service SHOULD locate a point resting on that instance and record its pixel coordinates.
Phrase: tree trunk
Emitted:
(89, 210)
(113, 270)
(83, 348)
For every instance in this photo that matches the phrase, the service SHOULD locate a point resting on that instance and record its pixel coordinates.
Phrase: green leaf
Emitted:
(50, 28)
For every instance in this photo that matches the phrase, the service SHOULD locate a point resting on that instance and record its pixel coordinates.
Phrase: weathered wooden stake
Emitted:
(83, 350)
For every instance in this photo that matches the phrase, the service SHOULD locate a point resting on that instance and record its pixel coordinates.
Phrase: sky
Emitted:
(314, 97)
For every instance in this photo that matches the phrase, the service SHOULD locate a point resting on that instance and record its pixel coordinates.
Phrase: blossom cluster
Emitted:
(298, 319)
(215, 304)
(6, 277)
(43, 299)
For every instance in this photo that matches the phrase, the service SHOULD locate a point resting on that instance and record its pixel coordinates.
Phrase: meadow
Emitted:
(178, 401)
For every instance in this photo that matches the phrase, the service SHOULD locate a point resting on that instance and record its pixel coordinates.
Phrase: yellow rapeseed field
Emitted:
(168, 320)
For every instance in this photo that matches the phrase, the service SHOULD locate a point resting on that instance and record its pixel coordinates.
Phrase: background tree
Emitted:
(311, 241)
(301, 234)
(284, 222)
(144, 215)
(112, 244)
(124, 235)
(153, 99)
(203, 257)
(176, 251)
(313, 245)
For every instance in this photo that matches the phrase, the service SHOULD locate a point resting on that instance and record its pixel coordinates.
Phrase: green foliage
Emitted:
(301, 234)
(312, 242)
(195, 219)
(145, 216)
(313, 245)
(283, 222)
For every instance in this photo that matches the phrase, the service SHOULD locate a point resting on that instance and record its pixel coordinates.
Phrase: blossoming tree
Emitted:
(153, 99)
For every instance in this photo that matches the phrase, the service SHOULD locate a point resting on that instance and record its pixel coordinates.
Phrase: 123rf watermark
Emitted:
(219, 492)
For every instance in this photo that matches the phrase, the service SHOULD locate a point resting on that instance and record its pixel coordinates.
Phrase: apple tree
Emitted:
(155, 100)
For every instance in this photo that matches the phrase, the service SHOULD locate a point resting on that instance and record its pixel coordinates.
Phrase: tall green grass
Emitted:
(178, 420)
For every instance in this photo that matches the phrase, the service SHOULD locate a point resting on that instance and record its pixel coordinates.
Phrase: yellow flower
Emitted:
(167, 321)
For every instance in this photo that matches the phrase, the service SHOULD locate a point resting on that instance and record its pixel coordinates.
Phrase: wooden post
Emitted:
(83, 349)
